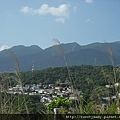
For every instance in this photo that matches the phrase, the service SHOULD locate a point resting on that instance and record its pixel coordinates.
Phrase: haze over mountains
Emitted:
(91, 54)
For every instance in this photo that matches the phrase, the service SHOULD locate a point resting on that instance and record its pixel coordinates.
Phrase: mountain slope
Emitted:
(92, 54)
(22, 50)
(67, 48)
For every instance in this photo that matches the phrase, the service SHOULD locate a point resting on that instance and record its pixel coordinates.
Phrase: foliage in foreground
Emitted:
(15, 104)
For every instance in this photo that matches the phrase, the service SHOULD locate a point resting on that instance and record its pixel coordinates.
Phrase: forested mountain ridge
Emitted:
(91, 54)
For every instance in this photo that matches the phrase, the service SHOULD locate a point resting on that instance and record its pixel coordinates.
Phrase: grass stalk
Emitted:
(60, 49)
(17, 78)
(110, 53)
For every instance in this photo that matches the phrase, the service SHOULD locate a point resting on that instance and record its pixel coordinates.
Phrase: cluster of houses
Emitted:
(46, 92)
(49, 91)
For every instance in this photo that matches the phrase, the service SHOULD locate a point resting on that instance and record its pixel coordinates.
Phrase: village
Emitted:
(47, 92)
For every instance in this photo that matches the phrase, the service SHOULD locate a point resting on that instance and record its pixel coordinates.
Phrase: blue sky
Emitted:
(38, 22)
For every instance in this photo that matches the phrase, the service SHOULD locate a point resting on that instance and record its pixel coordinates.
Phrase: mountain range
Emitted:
(91, 54)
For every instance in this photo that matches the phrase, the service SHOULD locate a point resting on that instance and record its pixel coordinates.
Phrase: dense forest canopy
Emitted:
(79, 74)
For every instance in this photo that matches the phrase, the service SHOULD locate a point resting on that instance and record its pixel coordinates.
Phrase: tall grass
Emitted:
(79, 101)
(115, 78)
(6, 79)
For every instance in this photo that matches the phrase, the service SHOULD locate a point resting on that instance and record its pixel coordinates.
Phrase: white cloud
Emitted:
(44, 9)
(25, 9)
(61, 12)
(89, 1)
(3, 47)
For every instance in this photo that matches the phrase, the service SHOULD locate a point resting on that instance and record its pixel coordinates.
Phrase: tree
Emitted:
(59, 102)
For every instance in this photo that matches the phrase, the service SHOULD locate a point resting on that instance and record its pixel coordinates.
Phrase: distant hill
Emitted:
(91, 54)
(22, 50)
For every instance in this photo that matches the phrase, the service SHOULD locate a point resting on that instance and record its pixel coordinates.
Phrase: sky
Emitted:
(38, 22)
